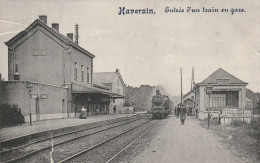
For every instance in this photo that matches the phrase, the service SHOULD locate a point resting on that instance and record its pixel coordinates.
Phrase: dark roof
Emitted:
(53, 31)
(101, 86)
(188, 99)
(191, 91)
(222, 74)
(104, 77)
(95, 90)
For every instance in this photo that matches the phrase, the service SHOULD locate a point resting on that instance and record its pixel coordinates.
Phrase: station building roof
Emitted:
(222, 74)
(60, 36)
(106, 78)
(221, 77)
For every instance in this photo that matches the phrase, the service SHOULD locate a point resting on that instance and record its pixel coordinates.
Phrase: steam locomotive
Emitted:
(161, 105)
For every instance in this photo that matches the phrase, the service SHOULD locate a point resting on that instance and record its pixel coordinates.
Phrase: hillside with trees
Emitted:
(141, 97)
(255, 97)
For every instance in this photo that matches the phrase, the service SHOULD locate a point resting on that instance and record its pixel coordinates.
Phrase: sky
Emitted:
(150, 49)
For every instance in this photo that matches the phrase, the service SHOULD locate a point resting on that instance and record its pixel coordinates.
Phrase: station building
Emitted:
(50, 75)
(115, 83)
(228, 94)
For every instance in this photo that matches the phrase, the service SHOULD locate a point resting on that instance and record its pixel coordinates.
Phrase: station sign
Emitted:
(39, 52)
(44, 96)
(34, 96)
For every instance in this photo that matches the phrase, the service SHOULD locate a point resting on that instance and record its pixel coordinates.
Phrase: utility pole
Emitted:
(208, 90)
(181, 84)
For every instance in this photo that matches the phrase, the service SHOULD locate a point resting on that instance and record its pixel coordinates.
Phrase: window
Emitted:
(75, 71)
(232, 99)
(222, 81)
(82, 73)
(87, 74)
(221, 99)
(218, 99)
(16, 69)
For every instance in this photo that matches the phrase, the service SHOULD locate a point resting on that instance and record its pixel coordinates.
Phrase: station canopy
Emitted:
(94, 90)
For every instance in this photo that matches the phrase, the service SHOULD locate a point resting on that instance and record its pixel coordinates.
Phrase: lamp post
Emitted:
(30, 87)
(209, 92)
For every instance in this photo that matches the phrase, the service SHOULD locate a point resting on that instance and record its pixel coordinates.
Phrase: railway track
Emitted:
(9, 147)
(21, 153)
(87, 155)
(130, 144)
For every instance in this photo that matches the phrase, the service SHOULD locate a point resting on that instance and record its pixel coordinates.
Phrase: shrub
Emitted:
(10, 115)
(255, 125)
(236, 123)
(213, 121)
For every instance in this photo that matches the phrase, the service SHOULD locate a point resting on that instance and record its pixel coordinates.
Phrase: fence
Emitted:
(243, 115)
(124, 110)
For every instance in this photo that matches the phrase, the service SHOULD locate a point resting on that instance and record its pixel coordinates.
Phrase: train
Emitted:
(161, 106)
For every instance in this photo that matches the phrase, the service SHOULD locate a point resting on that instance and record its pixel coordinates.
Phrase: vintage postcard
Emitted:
(153, 81)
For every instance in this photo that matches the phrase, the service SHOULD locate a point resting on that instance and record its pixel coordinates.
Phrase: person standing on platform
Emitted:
(183, 113)
(83, 114)
(178, 110)
(114, 110)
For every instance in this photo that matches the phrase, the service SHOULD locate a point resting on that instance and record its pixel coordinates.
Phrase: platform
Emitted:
(53, 124)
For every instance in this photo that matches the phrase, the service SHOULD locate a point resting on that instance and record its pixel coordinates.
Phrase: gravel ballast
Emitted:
(72, 147)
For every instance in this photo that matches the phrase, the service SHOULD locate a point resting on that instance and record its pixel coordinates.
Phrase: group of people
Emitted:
(181, 111)
(83, 113)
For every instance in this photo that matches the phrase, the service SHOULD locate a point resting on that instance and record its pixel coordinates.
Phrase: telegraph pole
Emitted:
(181, 83)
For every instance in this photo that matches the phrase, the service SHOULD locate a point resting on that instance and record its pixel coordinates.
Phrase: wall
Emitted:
(189, 98)
(242, 97)
(197, 99)
(39, 57)
(189, 103)
(119, 88)
(15, 92)
(81, 59)
(189, 95)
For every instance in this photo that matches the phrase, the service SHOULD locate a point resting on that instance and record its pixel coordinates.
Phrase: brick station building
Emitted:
(50, 75)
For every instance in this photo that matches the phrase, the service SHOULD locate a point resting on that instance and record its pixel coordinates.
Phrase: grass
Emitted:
(214, 122)
(241, 138)
(255, 125)
(236, 123)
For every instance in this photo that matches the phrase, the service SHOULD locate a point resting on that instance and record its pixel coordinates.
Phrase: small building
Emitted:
(115, 83)
(228, 93)
(50, 75)
(189, 99)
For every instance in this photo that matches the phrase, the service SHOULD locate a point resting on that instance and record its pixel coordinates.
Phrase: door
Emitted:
(37, 109)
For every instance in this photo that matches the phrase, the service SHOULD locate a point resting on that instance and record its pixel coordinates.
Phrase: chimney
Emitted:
(55, 26)
(43, 18)
(117, 71)
(0, 76)
(77, 34)
(70, 36)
